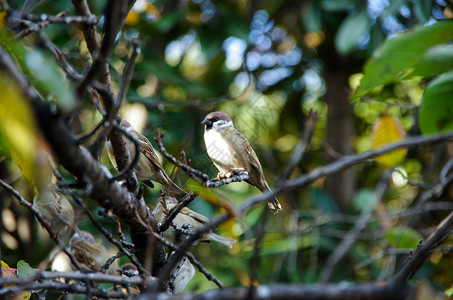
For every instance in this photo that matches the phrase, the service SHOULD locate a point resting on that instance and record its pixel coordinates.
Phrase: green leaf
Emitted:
(436, 109)
(399, 56)
(351, 30)
(403, 238)
(365, 200)
(24, 269)
(436, 60)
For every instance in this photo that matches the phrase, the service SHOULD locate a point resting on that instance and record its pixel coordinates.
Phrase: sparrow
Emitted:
(128, 269)
(55, 208)
(229, 150)
(186, 219)
(90, 254)
(149, 166)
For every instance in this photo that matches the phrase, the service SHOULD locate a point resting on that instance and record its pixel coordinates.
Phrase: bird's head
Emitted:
(217, 119)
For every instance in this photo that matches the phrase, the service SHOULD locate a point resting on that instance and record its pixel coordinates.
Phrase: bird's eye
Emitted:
(214, 119)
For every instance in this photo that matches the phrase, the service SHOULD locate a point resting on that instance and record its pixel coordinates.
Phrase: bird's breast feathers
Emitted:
(219, 150)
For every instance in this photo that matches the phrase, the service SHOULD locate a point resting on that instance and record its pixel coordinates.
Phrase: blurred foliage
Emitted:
(263, 63)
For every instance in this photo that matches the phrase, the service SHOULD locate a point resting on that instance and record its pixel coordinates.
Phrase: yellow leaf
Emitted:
(132, 18)
(4, 264)
(18, 133)
(387, 130)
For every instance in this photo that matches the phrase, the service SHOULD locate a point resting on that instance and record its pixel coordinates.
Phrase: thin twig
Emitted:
(174, 211)
(75, 275)
(110, 261)
(86, 136)
(88, 20)
(70, 287)
(34, 28)
(432, 242)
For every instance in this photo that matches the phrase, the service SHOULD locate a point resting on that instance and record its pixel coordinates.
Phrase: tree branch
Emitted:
(80, 163)
(434, 240)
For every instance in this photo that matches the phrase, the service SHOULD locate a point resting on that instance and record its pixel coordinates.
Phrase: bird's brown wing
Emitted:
(149, 152)
(244, 144)
(199, 217)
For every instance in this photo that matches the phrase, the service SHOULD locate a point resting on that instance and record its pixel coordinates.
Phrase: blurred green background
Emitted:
(267, 64)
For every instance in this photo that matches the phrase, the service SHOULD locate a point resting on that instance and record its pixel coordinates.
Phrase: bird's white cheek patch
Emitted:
(216, 146)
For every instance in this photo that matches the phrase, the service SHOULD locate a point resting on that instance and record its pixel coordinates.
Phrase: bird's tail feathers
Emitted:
(221, 239)
(273, 204)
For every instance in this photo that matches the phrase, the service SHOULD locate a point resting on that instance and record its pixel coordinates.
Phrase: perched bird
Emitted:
(184, 272)
(229, 150)
(129, 269)
(186, 219)
(149, 166)
(54, 207)
(88, 253)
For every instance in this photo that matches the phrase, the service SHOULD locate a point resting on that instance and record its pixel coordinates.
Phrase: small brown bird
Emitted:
(149, 166)
(54, 207)
(88, 253)
(229, 150)
(129, 269)
(186, 219)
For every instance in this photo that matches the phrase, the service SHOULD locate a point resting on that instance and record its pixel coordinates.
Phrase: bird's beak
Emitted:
(206, 122)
